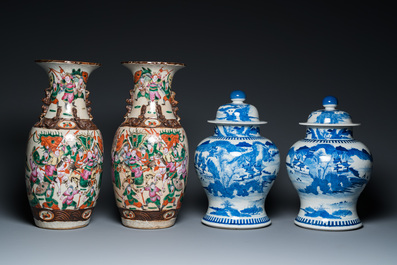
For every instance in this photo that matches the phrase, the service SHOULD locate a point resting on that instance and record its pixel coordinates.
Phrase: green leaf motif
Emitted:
(77, 72)
(136, 139)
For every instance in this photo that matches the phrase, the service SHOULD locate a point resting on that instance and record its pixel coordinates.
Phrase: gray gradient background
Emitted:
(286, 55)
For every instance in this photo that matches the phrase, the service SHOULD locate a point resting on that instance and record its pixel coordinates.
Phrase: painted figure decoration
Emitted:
(329, 169)
(150, 150)
(237, 167)
(65, 150)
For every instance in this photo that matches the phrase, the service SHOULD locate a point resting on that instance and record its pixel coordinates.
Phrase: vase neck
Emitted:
(329, 133)
(66, 101)
(152, 102)
(237, 131)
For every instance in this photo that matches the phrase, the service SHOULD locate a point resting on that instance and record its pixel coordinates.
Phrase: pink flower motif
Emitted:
(137, 171)
(49, 170)
(171, 166)
(85, 174)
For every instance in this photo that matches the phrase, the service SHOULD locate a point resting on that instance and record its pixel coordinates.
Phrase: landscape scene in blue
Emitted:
(334, 176)
(228, 209)
(331, 117)
(337, 214)
(231, 112)
(233, 171)
(236, 131)
(341, 134)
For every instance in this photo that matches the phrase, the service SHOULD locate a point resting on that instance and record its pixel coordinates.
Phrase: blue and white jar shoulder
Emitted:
(237, 167)
(329, 169)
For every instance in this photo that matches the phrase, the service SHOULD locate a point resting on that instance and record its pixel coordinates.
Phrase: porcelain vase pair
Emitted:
(237, 167)
(65, 150)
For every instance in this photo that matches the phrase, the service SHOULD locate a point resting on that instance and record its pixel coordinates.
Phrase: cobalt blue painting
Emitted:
(329, 178)
(237, 175)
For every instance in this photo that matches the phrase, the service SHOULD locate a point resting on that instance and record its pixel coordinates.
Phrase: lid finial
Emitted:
(330, 103)
(237, 96)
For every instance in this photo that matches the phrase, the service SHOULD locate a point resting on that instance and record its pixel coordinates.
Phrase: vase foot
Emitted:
(61, 225)
(143, 224)
(328, 225)
(239, 223)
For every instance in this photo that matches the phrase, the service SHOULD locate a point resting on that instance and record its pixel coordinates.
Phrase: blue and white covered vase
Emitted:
(329, 169)
(237, 167)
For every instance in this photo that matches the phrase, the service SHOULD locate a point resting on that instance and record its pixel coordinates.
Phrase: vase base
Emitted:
(143, 224)
(328, 225)
(239, 223)
(61, 225)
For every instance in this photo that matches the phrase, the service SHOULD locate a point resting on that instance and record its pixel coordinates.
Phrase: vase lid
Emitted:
(329, 116)
(237, 112)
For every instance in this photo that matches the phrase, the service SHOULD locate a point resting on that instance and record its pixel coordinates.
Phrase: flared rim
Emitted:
(153, 63)
(66, 61)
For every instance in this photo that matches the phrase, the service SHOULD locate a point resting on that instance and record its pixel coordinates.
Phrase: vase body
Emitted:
(65, 150)
(236, 167)
(329, 169)
(150, 150)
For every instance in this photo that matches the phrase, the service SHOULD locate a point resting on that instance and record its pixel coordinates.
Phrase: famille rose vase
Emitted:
(65, 150)
(237, 167)
(150, 150)
(329, 169)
